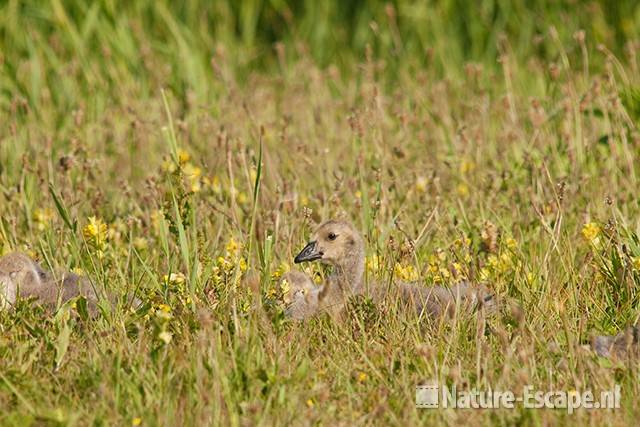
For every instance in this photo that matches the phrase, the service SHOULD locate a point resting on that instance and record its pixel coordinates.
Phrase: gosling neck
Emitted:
(348, 275)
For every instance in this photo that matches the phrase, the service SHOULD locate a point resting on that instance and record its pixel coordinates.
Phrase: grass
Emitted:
(181, 155)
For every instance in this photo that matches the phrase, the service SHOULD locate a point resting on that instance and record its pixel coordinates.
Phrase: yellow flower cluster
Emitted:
(462, 189)
(43, 218)
(174, 279)
(225, 265)
(374, 264)
(95, 233)
(467, 166)
(192, 173)
(285, 290)
(438, 267)
(591, 232)
(362, 377)
(500, 263)
(279, 289)
(177, 293)
(406, 273)
(163, 316)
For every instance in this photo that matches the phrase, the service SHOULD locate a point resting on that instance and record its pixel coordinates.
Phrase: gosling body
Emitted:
(620, 346)
(22, 277)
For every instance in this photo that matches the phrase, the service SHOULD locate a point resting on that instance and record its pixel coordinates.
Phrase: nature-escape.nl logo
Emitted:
(434, 396)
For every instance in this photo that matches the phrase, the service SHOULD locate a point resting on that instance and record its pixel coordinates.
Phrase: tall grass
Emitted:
(492, 141)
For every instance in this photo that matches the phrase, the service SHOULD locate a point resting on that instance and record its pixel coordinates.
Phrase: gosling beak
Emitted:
(309, 253)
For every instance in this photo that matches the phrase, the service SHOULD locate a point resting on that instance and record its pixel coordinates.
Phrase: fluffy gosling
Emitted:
(340, 245)
(21, 277)
(301, 297)
(620, 346)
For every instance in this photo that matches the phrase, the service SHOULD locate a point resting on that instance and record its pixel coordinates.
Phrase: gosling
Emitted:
(301, 295)
(620, 346)
(21, 277)
(339, 244)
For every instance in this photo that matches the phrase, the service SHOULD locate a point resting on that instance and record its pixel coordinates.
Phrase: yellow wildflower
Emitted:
(463, 190)
(95, 232)
(506, 262)
(531, 278)
(164, 308)
(433, 268)
(272, 292)
(243, 199)
(232, 247)
(43, 218)
(174, 278)
(183, 156)
(192, 173)
(373, 264)
(467, 166)
(511, 243)
(285, 288)
(136, 421)
(362, 377)
(164, 316)
(224, 264)
(310, 403)
(462, 242)
(590, 232)
(407, 273)
(156, 217)
(280, 271)
(492, 261)
(458, 270)
(636, 262)
(484, 274)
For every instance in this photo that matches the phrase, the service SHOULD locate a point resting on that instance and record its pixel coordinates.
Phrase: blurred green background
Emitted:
(64, 49)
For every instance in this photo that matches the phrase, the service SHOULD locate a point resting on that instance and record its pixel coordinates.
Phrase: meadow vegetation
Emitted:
(184, 152)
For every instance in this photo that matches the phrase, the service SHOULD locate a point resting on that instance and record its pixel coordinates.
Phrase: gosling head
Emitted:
(334, 242)
(21, 269)
(18, 271)
(301, 296)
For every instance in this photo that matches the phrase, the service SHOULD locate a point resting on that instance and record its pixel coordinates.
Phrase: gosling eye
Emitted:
(332, 236)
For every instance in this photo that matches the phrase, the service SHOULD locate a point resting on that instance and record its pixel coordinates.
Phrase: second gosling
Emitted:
(22, 277)
(621, 346)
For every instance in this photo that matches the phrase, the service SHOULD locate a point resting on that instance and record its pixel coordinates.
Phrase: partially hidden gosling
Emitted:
(621, 346)
(22, 277)
(301, 296)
